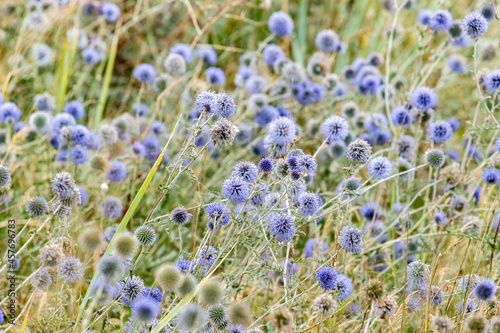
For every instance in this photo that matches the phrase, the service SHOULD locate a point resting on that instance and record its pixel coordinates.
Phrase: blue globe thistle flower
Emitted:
(74, 108)
(475, 25)
(78, 154)
(327, 41)
(42, 55)
(440, 218)
(280, 24)
(255, 84)
(71, 269)
(307, 164)
(402, 115)
(418, 274)
(371, 211)
(335, 128)
(207, 54)
(441, 20)
(326, 276)
(158, 128)
(424, 98)
(488, 12)
(184, 266)
(223, 105)
(138, 148)
(204, 101)
(218, 212)
(145, 73)
(314, 246)
(266, 165)
(145, 309)
(152, 147)
(271, 53)
(62, 120)
(457, 63)
(424, 16)
(83, 195)
(245, 170)
(266, 115)
(435, 158)
(375, 122)
(215, 76)
(62, 185)
(281, 227)
(139, 109)
(369, 85)
(36, 206)
(110, 11)
(491, 81)
(491, 176)
(235, 189)
(131, 290)
(80, 135)
(237, 329)
(5, 178)
(380, 168)
(485, 290)
(439, 131)
(454, 123)
(41, 279)
(180, 215)
(343, 286)
(62, 155)
(116, 172)
(358, 151)
(405, 146)
(350, 239)
(282, 131)
(182, 50)
(207, 257)
(9, 113)
(44, 102)
(111, 207)
(308, 204)
(91, 56)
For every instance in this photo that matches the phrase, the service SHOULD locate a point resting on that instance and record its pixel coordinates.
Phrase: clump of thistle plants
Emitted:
(249, 166)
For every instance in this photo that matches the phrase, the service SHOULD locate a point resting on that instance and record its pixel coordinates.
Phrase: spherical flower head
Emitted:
(207, 54)
(63, 185)
(41, 279)
(182, 50)
(80, 135)
(326, 276)
(237, 329)
(439, 131)
(435, 158)
(335, 128)
(266, 115)
(180, 216)
(175, 64)
(44, 102)
(325, 305)
(184, 266)
(204, 101)
(78, 154)
(271, 53)
(255, 84)
(5, 178)
(424, 98)
(145, 73)
(215, 76)
(308, 204)
(440, 217)
(327, 41)
(350, 239)
(280, 24)
(457, 63)
(91, 56)
(442, 324)
(71, 269)
(139, 109)
(485, 290)
(218, 316)
(266, 165)
(282, 131)
(246, 171)
(235, 189)
(111, 207)
(282, 227)
(145, 235)
(343, 287)
(374, 290)
(418, 274)
(74, 108)
(491, 176)
(402, 116)
(191, 317)
(110, 11)
(441, 20)
(9, 113)
(145, 309)
(358, 151)
(116, 172)
(223, 132)
(491, 82)
(380, 168)
(131, 290)
(424, 16)
(223, 105)
(475, 25)
(37, 206)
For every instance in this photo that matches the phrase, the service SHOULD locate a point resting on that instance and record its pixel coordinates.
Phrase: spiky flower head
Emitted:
(325, 305)
(71, 269)
(418, 274)
(37, 206)
(41, 279)
(374, 290)
(51, 256)
(145, 235)
(358, 151)
(191, 317)
(168, 277)
(223, 132)
(281, 319)
(435, 158)
(218, 316)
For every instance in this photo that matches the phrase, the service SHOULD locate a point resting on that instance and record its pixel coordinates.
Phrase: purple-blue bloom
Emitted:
(235, 189)
(280, 24)
(281, 227)
(326, 276)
